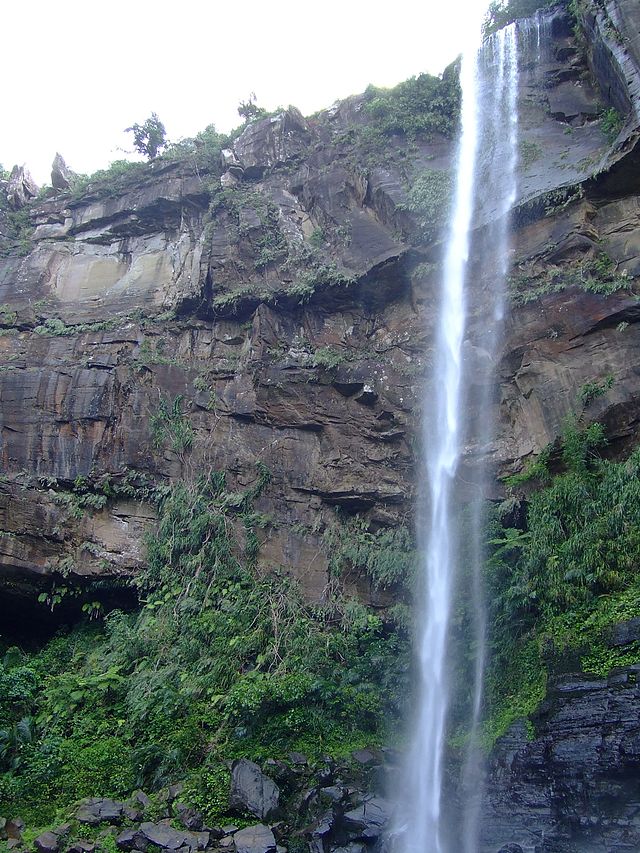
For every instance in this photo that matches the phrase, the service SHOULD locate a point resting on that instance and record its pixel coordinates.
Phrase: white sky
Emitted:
(75, 73)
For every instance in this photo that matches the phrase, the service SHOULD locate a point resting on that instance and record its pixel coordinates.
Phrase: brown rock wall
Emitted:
(292, 320)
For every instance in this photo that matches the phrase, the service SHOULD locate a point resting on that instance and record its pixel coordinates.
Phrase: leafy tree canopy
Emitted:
(149, 137)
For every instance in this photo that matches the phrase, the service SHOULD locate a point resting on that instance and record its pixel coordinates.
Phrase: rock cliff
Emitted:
(284, 307)
(274, 305)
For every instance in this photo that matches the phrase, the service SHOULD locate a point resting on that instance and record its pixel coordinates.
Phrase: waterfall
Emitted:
(456, 414)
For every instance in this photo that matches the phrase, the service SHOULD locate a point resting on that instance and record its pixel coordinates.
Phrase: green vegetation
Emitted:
(328, 358)
(8, 318)
(255, 218)
(387, 558)
(611, 124)
(149, 137)
(317, 277)
(55, 327)
(529, 152)
(110, 181)
(548, 204)
(597, 274)
(219, 662)
(169, 425)
(249, 110)
(201, 154)
(17, 229)
(429, 199)
(503, 12)
(417, 108)
(556, 587)
(421, 105)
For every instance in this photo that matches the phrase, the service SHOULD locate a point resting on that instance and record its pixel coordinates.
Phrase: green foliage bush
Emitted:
(219, 662)
(503, 12)
(387, 556)
(429, 199)
(421, 105)
(16, 232)
(611, 123)
(149, 137)
(556, 587)
(168, 423)
(598, 275)
(110, 181)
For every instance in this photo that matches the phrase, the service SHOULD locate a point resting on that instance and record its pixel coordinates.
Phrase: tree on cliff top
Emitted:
(249, 110)
(149, 137)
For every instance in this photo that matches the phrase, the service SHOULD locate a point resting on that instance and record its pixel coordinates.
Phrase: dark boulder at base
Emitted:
(82, 846)
(97, 810)
(48, 842)
(368, 820)
(255, 839)
(251, 790)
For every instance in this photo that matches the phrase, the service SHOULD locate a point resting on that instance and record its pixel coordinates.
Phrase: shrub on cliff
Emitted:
(219, 662)
(558, 586)
(149, 137)
(503, 12)
(420, 105)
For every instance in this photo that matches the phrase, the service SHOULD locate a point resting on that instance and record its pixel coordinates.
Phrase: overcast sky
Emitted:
(75, 73)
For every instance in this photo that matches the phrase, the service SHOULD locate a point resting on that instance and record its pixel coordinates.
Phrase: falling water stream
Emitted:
(484, 195)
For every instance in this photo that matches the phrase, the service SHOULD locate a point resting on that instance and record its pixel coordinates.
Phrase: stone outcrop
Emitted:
(290, 315)
(251, 790)
(21, 188)
(61, 174)
(572, 788)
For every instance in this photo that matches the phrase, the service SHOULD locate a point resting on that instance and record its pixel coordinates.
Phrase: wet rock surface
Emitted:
(573, 787)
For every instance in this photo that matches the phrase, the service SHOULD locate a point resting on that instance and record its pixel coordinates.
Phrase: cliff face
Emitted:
(278, 310)
(573, 787)
(284, 309)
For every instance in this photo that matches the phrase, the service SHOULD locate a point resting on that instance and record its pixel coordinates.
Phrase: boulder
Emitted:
(127, 839)
(231, 163)
(164, 836)
(21, 188)
(255, 839)
(251, 790)
(98, 810)
(625, 633)
(334, 792)
(322, 829)
(61, 174)
(13, 828)
(82, 846)
(141, 798)
(188, 817)
(368, 821)
(47, 842)
(270, 142)
(365, 756)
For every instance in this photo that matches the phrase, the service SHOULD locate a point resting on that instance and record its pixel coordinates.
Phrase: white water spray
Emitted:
(484, 194)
